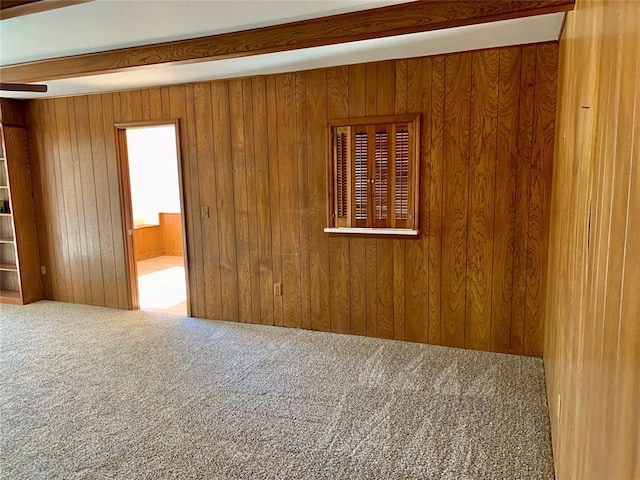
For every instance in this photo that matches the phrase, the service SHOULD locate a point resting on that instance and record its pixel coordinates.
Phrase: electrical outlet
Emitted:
(277, 289)
(43, 270)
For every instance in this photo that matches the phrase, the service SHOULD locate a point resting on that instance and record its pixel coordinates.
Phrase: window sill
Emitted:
(373, 231)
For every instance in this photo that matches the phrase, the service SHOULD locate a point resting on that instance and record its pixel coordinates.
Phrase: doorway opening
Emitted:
(152, 202)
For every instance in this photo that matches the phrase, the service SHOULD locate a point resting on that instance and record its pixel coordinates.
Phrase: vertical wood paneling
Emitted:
(83, 260)
(592, 341)
(399, 246)
(135, 97)
(117, 235)
(417, 252)
(436, 186)
(371, 246)
(540, 195)
(289, 227)
(206, 247)
(68, 174)
(455, 197)
(98, 158)
(224, 200)
(384, 249)
(339, 266)
(41, 195)
(89, 203)
(303, 197)
(521, 231)
(358, 246)
(263, 211)
(254, 155)
(482, 172)
(181, 106)
(319, 242)
(274, 185)
(155, 104)
(240, 196)
(505, 189)
(252, 220)
(191, 184)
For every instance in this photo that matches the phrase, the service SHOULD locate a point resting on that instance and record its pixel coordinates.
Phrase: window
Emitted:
(373, 168)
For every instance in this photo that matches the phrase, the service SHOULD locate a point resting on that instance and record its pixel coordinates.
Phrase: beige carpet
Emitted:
(98, 393)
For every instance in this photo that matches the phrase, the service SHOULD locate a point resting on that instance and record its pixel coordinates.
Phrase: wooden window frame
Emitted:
(390, 225)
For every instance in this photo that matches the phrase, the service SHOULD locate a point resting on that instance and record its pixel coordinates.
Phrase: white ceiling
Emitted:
(108, 24)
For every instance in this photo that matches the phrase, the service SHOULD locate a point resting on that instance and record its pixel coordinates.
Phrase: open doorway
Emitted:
(152, 204)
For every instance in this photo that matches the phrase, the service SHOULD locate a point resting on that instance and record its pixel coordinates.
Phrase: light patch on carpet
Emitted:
(92, 392)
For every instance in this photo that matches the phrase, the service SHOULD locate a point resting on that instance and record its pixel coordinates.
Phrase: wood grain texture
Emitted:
(419, 99)
(263, 201)
(101, 174)
(358, 246)
(148, 242)
(274, 188)
(505, 200)
(339, 261)
(108, 106)
(371, 245)
(384, 248)
(288, 182)
(521, 228)
(204, 240)
(399, 19)
(485, 69)
(223, 181)
(539, 195)
(181, 106)
(399, 247)
(592, 336)
(162, 239)
(455, 198)
(23, 252)
(254, 152)
(240, 199)
(436, 186)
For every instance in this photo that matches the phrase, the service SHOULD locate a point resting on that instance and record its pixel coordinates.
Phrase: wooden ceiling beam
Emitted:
(19, 8)
(406, 18)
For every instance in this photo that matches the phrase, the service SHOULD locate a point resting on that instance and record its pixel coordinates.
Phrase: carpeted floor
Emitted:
(98, 393)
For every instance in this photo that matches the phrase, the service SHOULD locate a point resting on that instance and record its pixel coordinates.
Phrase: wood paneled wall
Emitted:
(592, 347)
(171, 227)
(162, 239)
(148, 242)
(254, 152)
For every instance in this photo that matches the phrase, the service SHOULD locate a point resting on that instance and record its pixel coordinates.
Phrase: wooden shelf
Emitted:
(19, 262)
(10, 296)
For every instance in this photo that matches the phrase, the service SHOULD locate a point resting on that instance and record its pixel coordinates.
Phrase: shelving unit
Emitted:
(20, 280)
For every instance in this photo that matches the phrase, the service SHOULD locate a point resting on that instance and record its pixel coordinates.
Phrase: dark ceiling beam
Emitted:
(23, 87)
(387, 21)
(18, 8)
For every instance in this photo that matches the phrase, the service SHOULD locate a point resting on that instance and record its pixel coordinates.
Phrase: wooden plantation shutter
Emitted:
(381, 180)
(401, 197)
(373, 173)
(361, 177)
(341, 155)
